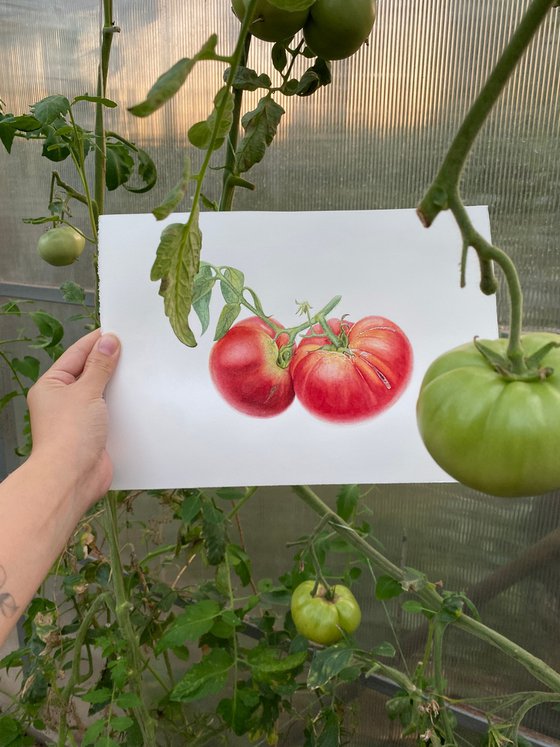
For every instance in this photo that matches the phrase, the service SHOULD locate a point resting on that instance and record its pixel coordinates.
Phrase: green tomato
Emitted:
(324, 620)
(61, 246)
(269, 22)
(493, 434)
(335, 29)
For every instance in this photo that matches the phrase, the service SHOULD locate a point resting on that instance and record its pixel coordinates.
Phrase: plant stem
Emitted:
(75, 671)
(122, 613)
(439, 629)
(447, 179)
(430, 597)
(107, 33)
(487, 251)
(444, 190)
(235, 62)
(249, 493)
(228, 188)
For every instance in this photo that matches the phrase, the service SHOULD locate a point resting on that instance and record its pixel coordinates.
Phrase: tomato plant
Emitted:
(323, 618)
(61, 245)
(491, 431)
(244, 368)
(271, 23)
(336, 29)
(356, 375)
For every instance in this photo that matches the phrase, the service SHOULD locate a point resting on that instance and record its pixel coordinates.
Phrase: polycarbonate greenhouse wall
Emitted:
(372, 139)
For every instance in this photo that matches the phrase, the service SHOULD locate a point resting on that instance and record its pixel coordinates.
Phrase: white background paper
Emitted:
(169, 427)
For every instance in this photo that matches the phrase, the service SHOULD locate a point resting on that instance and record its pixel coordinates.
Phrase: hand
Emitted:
(69, 417)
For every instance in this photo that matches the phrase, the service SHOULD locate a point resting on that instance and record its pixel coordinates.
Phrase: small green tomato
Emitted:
(323, 620)
(61, 246)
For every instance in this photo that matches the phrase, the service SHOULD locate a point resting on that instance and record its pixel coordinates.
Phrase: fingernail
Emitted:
(108, 344)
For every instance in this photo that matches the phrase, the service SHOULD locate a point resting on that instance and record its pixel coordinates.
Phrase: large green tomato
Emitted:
(335, 29)
(61, 245)
(494, 434)
(271, 23)
(323, 620)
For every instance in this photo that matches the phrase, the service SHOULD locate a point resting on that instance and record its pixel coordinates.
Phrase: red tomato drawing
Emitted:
(357, 379)
(244, 369)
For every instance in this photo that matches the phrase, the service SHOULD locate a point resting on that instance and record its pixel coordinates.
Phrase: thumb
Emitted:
(101, 363)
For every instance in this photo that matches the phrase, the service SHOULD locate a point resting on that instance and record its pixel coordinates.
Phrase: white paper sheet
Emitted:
(169, 427)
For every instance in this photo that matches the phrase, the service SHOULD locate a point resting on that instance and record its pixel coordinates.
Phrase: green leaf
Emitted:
(194, 622)
(384, 649)
(413, 606)
(266, 662)
(100, 695)
(55, 148)
(228, 315)
(204, 679)
(230, 494)
(93, 732)
(176, 265)
(190, 507)
(128, 700)
(96, 100)
(121, 723)
(214, 532)
(146, 171)
(50, 329)
(315, 77)
(292, 5)
(202, 294)
(260, 127)
(72, 292)
(241, 563)
(7, 398)
(200, 134)
(347, 501)
(331, 734)
(327, 664)
(50, 109)
(247, 80)
(176, 195)
(28, 367)
(387, 588)
(232, 286)
(120, 165)
(279, 56)
(167, 85)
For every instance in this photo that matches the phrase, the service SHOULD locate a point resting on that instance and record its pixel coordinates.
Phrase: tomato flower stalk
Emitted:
(443, 194)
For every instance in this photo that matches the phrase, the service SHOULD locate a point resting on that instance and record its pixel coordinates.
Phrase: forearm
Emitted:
(38, 512)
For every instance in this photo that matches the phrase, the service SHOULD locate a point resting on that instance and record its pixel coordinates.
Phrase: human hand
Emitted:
(69, 417)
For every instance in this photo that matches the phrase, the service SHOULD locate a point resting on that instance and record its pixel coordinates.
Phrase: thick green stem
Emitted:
(228, 187)
(447, 179)
(107, 34)
(74, 677)
(489, 253)
(430, 597)
(439, 629)
(122, 613)
(220, 111)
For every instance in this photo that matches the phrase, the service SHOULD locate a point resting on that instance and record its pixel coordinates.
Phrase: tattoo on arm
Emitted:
(8, 606)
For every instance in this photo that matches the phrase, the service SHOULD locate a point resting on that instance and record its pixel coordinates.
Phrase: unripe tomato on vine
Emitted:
(324, 616)
(270, 23)
(61, 246)
(490, 429)
(336, 29)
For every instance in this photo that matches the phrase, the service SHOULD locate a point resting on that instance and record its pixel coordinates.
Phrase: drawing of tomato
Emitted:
(244, 368)
(353, 374)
